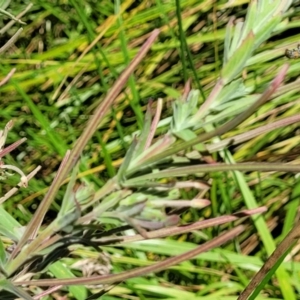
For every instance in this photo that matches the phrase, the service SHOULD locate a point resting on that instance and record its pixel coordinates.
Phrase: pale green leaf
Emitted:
(237, 62)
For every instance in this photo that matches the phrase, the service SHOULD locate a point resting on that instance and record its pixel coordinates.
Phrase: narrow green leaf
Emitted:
(68, 200)
(234, 90)
(263, 230)
(251, 18)
(140, 147)
(227, 41)
(9, 227)
(2, 257)
(18, 291)
(4, 4)
(127, 160)
(59, 270)
(238, 60)
(266, 30)
(57, 143)
(183, 110)
(236, 39)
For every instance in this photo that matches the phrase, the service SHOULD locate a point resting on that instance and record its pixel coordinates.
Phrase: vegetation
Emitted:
(159, 142)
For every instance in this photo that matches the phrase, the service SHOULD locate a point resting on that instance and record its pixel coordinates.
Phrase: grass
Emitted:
(61, 79)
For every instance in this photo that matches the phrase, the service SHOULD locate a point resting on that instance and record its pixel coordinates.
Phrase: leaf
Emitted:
(127, 160)
(238, 61)
(4, 3)
(17, 291)
(183, 110)
(2, 258)
(9, 227)
(69, 196)
(227, 41)
(236, 39)
(266, 30)
(251, 19)
(59, 270)
(158, 147)
(140, 147)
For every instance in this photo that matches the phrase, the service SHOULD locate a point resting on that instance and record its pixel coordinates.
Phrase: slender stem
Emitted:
(280, 252)
(107, 279)
(182, 38)
(217, 167)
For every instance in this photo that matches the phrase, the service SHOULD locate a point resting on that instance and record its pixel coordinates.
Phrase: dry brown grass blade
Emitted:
(279, 252)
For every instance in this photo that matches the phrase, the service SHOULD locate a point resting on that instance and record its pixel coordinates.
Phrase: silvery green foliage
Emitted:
(241, 40)
(261, 21)
(183, 110)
